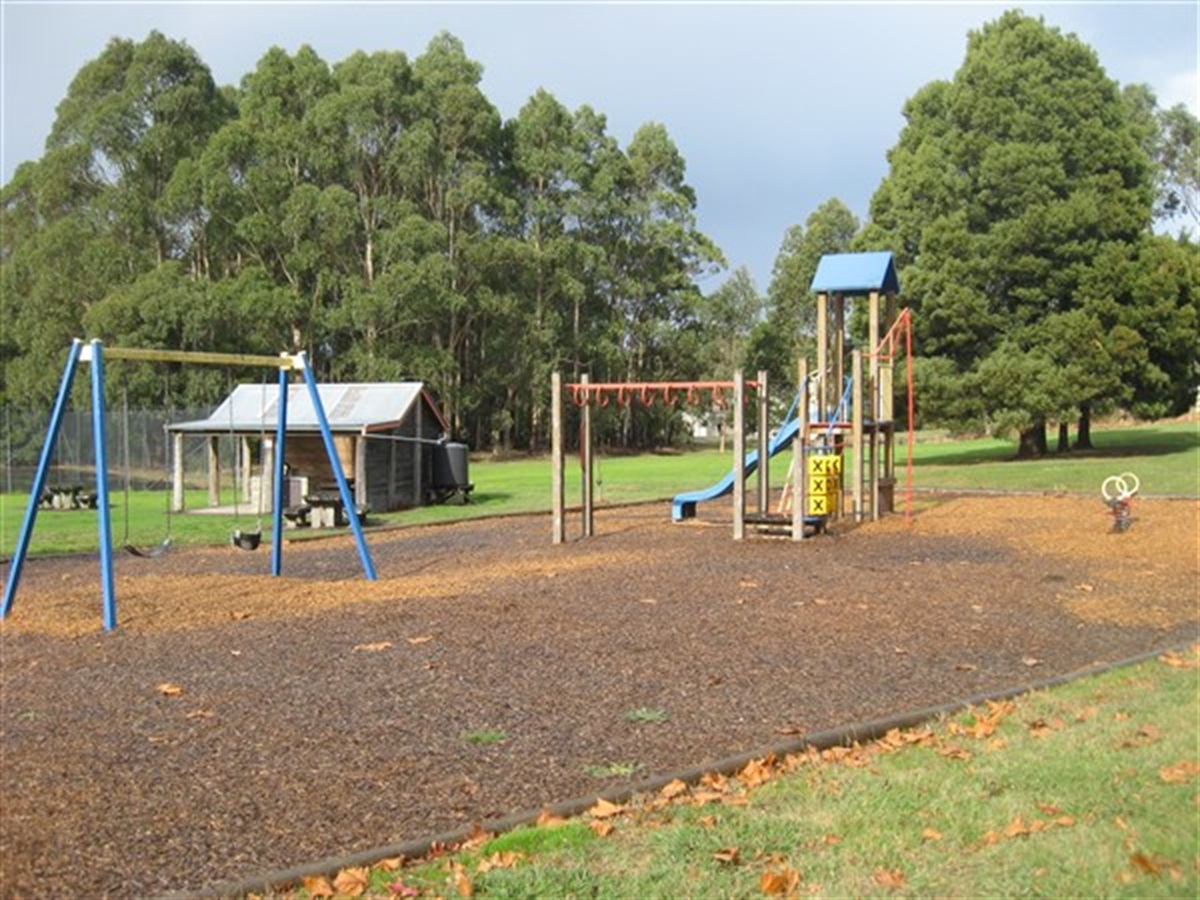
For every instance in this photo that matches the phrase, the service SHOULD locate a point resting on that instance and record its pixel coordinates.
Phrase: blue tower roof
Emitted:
(856, 273)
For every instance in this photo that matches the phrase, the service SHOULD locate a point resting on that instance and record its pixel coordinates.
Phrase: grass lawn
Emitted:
(1166, 457)
(1089, 789)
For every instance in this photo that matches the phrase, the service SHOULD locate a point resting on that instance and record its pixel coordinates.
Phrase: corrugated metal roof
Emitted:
(856, 273)
(348, 407)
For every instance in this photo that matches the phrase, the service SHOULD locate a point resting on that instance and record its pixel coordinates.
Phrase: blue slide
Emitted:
(684, 505)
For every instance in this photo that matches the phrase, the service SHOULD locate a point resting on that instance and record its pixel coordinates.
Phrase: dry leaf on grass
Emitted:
(673, 789)
(1179, 773)
(601, 828)
(931, 834)
(728, 856)
(352, 882)
(547, 819)
(1187, 660)
(318, 886)
(603, 809)
(890, 878)
(784, 881)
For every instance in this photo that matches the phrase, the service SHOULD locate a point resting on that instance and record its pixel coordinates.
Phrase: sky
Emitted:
(775, 106)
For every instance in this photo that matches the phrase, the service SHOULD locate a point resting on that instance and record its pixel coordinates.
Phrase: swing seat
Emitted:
(246, 540)
(148, 552)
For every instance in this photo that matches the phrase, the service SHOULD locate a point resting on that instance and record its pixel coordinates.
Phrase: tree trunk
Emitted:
(1033, 441)
(1083, 434)
(1064, 437)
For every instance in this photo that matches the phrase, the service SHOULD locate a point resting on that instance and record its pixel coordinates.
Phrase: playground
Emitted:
(237, 723)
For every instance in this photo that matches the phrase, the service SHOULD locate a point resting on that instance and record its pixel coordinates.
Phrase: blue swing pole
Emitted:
(301, 362)
(103, 511)
(280, 437)
(17, 563)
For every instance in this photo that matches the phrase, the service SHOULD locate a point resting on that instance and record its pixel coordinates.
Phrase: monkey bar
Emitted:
(95, 354)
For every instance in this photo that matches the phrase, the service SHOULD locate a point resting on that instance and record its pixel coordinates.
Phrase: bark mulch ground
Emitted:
(319, 714)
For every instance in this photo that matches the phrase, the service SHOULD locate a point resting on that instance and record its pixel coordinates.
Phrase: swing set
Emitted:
(95, 354)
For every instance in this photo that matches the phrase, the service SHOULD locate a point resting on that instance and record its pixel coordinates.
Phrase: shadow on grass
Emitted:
(1108, 445)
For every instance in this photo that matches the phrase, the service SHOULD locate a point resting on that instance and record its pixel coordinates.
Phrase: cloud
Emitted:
(1182, 87)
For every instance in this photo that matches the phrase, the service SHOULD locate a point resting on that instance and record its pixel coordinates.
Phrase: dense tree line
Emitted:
(381, 214)
(378, 213)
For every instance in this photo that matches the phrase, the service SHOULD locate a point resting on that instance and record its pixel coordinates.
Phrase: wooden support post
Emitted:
(418, 456)
(839, 350)
(585, 449)
(360, 470)
(764, 445)
(822, 356)
(856, 400)
(557, 496)
(178, 495)
(214, 472)
(265, 475)
(245, 458)
(739, 455)
(799, 475)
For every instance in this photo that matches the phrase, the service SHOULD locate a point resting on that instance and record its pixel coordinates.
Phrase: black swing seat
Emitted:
(246, 540)
(148, 552)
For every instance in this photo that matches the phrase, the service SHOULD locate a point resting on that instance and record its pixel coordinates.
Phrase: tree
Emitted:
(727, 316)
(1005, 187)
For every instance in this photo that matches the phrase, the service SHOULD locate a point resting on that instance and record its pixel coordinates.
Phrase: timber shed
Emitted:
(385, 435)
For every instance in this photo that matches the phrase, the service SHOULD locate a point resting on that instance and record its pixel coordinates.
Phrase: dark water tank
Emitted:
(450, 466)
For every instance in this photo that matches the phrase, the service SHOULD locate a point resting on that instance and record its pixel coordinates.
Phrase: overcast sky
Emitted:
(775, 107)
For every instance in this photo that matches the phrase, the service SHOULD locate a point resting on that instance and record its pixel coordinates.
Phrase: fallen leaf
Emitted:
(239, 616)
(547, 819)
(1065, 821)
(715, 781)
(1120, 823)
(1144, 737)
(400, 889)
(1049, 809)
(728, 856)
(784, 881)
(931, 834)
(460, 882)
(891, 878)
(790, 730)
(421, 639)
(502, 860)
(756, 772)
(1086, 588)
(1121, 716)
(372, 648)
(603, 809)
(953, 751)
(476, 837)
(170, 690)
(749, 583)
(673, 789)
(318, 886)
(352, 882)
(391, 864)
(1146, 864)
(1177, 660)
(1086, 713)
(201, 714)
(899, 651)
(1016, 828)
(708, 821)
(602, 829)
(966, 667)
(1030, 661)
(830, 839)
(1180, 772)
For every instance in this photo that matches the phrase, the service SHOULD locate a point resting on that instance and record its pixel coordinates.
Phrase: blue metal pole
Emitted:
(277, 509)
(103, 512)
(327, 436)
(39, 479)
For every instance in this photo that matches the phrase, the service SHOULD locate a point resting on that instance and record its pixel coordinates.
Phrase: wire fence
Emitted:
(142, 431)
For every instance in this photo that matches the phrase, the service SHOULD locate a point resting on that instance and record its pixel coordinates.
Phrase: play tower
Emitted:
(870, 425)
